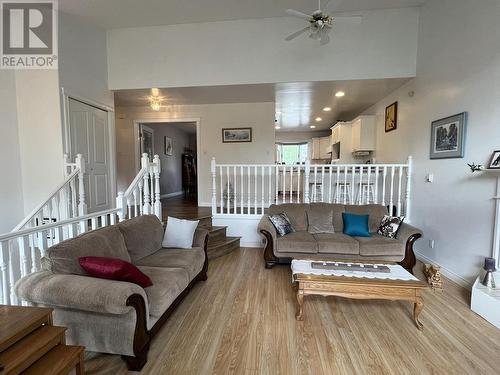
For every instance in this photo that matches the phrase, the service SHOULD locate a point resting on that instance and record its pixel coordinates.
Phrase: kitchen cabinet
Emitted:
(321, 148)
(363, 133)
(341, 142)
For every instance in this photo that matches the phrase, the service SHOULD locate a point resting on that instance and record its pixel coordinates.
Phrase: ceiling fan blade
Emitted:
(297, 33)
(296, 13)
(347, 19)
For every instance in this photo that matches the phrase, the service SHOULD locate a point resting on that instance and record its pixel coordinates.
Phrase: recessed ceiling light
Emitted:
(313, 126)
(339, 94)
(327, 109)
(318, 119)
(277, 127)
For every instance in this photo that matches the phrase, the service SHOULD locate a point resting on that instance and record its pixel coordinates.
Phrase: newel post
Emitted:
(122, 206)
(307, 171)
(156, 171)
(213, 169)
(408, 188)
(80, 164)
(147, 196)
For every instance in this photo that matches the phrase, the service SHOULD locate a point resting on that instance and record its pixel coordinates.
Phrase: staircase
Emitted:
(30, 344)
(219, 243)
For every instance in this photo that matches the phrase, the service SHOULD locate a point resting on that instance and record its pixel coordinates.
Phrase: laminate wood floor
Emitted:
(242, 321)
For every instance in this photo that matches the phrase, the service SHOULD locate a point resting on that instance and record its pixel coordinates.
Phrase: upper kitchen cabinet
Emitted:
(321, 148)
(363, 133)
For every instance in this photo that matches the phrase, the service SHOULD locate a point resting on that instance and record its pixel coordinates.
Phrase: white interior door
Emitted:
(89, 135)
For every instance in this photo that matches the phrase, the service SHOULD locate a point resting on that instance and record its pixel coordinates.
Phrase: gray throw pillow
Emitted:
(282, 224)
(320, 221)
(389, 226)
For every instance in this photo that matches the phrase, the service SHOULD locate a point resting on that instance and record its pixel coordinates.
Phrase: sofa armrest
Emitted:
(406, 231)
(78, 292)
(267, 229)
(199, 238)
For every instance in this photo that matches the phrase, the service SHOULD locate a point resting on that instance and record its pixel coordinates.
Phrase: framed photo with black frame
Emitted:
(448, 137)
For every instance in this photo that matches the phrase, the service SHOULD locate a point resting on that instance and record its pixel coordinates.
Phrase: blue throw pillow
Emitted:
(356, 225)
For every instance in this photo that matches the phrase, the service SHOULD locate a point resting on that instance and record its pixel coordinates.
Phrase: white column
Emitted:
(147, 196)
(156, 171)
(214, 186)
(496, 230)
(408, 188)
(306, 181)
(122, 206)
(82, 206)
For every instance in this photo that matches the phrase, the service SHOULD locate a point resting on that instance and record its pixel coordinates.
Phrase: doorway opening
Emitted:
(176, 145)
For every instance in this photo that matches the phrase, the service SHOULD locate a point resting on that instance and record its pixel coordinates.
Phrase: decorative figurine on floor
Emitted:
(489, 267)
(433, 275)
(475, 167)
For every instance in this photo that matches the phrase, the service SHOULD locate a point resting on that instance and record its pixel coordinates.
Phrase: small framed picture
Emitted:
(391, 117)
(448, 137)
(231, 135)
(168, 147)
(495, 160)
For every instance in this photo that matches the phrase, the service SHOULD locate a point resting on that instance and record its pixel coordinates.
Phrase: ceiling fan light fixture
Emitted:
(155, 104)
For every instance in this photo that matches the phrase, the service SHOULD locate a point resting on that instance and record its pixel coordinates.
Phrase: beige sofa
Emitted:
(114, 316)
(302, 244)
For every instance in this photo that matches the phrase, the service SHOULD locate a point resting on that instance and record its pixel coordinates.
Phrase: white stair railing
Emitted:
(248, 189)
(142, 197)
(66, 201)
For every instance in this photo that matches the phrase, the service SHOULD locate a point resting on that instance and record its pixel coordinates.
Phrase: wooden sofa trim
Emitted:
(143, 336)
(270, 259)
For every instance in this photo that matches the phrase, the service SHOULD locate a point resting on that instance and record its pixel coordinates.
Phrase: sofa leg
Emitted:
(137, 362)
(270, 264)
(203, 276)
(269, 258)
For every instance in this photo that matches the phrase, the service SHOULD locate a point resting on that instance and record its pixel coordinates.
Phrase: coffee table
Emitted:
(396, 285)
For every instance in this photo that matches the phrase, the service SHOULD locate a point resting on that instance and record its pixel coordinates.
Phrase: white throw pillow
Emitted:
(179, 233)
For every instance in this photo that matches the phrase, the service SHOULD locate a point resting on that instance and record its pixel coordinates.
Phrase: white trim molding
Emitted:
(170, 195)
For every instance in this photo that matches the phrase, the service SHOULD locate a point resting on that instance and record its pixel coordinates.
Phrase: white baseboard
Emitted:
(446, 271)
(170, 195)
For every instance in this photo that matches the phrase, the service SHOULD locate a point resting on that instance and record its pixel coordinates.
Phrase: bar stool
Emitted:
(315, 191)
(367, 192)
(342, 192)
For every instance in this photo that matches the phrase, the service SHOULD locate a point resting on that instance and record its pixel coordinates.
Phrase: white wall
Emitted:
(384, 45)
(458, 69)
(83, 60)
(11, 200)
(213, 117)
(171, 166)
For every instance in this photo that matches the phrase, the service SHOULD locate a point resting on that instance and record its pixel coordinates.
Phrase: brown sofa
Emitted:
(114, 316)
(303, 244)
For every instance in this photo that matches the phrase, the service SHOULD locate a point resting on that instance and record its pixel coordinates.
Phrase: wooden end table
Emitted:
(360, 288)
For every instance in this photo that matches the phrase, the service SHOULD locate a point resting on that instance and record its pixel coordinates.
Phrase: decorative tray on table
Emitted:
(350, 267)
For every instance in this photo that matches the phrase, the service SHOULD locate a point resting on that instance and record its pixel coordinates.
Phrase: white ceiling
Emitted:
(110, 14)
(299, 103)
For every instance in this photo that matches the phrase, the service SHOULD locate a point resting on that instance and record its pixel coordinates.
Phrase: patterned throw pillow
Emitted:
(282, 224)
(389, 226)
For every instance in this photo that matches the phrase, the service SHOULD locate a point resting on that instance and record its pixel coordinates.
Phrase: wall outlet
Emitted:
(431, 244)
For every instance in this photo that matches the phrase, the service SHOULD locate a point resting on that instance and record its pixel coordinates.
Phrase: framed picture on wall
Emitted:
(391, 117)
(168, 147)
(495, 160)
(231, 135)
(448, 137)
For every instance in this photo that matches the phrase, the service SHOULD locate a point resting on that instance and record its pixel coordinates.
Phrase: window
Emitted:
(292, 153)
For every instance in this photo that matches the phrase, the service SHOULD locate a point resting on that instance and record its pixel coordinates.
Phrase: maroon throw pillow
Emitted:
(114, 269)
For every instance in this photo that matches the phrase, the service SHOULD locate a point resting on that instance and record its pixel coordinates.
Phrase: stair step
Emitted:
(223, 248)
(216, 235)
(205, 222)
(58, 361)
(29, 349)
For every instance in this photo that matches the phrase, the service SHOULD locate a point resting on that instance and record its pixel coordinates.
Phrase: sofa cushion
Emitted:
(168, 283)
(297, 242)
(103, 242)
(375, 211)
(378, 245)
(327, 208)
(143, 235)
(192, 260)
(336, 243)
(320, 218)
(295, 212)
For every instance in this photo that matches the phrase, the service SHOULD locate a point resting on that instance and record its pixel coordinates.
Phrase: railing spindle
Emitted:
(4, 271)
(391, 201)
(400, 177)
(255, 196)
(376, 184)
(384, 176)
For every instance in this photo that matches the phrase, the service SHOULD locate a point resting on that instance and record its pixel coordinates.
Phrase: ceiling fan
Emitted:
(320, 22)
